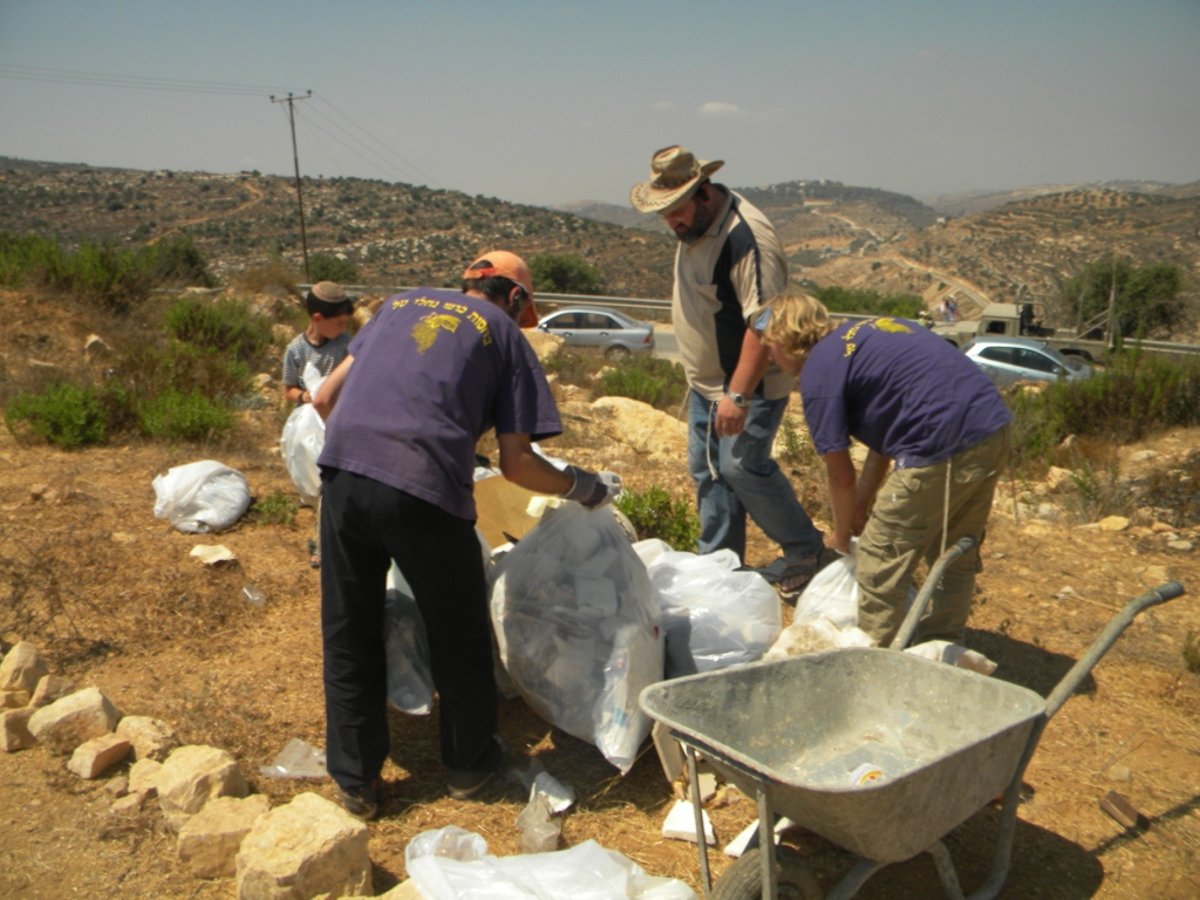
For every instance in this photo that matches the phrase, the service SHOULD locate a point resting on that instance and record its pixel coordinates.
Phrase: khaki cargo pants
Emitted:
(905, 527)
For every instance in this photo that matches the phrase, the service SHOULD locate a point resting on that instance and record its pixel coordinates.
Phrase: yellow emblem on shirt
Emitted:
(885, 323)
(425, 332)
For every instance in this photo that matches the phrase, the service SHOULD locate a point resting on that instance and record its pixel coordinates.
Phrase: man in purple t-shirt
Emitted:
(915, 400)
(429, 374)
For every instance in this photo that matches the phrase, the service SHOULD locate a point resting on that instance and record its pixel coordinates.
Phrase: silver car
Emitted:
(612, 333)
(1007, 360)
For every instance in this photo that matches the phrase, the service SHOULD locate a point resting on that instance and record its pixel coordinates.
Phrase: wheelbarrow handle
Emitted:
(1071, 681)
(913, 616)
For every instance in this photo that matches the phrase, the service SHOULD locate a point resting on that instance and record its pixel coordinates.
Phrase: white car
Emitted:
(612, 333)
(1007, 360)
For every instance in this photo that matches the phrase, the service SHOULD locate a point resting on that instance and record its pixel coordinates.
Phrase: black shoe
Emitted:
(362, 803)
(463, 784)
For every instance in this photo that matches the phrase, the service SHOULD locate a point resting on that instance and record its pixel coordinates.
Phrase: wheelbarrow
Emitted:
(880, 752)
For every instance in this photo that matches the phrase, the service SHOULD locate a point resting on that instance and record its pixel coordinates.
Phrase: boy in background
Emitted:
(323, 344)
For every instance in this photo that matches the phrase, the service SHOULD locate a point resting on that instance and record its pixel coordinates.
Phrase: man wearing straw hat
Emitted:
(729, 264)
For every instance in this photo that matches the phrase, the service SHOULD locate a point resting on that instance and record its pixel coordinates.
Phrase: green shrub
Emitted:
(572, 368)
(869, 303)
(649, 379)
(796, 447)
(562, 273)
(1133, 396)
(276, 508)
(64, 415)
(194, 416)
(178, 262)
(654, 514)
(327, 267)
(227, 326)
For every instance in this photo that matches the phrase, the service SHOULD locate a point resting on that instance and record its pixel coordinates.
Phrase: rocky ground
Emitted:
(112, 598)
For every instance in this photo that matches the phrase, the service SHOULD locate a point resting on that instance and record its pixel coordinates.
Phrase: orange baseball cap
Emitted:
(510, 266)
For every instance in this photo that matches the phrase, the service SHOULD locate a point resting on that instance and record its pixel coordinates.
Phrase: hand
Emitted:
(592, 489)
(731, 418)
(840, 544)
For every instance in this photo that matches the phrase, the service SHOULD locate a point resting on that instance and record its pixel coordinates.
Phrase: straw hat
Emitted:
(674, 174)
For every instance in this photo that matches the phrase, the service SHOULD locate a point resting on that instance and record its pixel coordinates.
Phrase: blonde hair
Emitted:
(797, 321)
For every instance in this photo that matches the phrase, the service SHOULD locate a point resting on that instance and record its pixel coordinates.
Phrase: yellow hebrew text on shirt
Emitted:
(425, 332)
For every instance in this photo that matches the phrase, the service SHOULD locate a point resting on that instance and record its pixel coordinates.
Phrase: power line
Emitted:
(135, 82)
(386, 147)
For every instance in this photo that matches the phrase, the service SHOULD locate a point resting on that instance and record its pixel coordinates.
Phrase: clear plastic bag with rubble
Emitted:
(576, 621)
(302, 441)
(713, 615)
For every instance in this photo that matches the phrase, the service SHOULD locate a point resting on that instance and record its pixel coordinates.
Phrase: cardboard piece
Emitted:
(502, 509)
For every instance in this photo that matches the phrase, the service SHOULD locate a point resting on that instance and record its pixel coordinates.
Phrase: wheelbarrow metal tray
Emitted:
(810, 730)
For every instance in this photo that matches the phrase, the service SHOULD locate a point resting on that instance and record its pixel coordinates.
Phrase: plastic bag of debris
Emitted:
(409, 681)
(201, 497)
(302, 441)
(576, 621)
(451, 864)
(832, 594)
(713, 615)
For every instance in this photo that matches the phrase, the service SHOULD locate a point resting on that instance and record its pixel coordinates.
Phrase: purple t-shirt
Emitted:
(900, 389)
(433, 371)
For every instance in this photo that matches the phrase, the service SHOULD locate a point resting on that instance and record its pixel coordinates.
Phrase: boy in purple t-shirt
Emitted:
(915, 400)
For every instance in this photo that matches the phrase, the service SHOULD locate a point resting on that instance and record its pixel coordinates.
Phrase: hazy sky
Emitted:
(548, 101)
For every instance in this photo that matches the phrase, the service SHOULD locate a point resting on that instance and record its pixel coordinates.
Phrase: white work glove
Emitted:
(592, 489)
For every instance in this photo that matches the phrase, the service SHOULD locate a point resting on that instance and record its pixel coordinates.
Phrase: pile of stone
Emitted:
(305, 848)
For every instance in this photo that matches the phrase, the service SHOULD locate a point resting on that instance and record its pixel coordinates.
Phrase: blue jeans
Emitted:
(736, 475)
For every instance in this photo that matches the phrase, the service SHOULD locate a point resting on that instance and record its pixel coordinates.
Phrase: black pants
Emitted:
(364, 525)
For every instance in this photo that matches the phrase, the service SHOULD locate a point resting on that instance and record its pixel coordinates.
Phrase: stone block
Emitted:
(193, 775)
(14, 729)
(22, 668)
(209, 840)
(94, 757)
(151, 738)
(69, 721)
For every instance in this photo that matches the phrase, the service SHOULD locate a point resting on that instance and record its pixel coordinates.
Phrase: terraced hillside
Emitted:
(394, 233)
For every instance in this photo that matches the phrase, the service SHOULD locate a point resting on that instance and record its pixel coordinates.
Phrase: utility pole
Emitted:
(289, 100)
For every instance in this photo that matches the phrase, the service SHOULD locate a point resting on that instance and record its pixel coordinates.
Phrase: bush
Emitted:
(657, 382)
(1132, 397)
(178, 262)
(276, 508)
(327, 267)
(571, 368)
(226, 326)
(869, 303)
(64, 415)
(562, 273)
(655, 515)
(174, 415)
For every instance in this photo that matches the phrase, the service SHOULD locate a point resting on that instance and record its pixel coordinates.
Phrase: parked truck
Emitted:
(1024, 320)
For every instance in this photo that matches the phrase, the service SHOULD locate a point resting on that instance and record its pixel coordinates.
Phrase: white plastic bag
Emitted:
(409, 681)
(453, 864)
(713, 615)
(201, 497)
(576, 621)
(954, 655)
(832, 594)
(302, 441)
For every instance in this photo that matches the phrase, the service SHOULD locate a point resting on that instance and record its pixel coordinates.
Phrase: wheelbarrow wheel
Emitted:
(793, 878)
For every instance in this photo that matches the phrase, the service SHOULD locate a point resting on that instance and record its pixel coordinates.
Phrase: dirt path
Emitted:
(256, 196)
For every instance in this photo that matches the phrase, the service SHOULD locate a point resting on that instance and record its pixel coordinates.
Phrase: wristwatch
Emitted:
(741, 401)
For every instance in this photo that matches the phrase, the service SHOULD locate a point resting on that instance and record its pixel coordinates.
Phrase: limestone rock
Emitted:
(1113, 523)
(1058, 480)
(209, 841)
(150, 738)
(69, 721)
(308, 847)
(50, 688)
(14, 729)
(94, 757)
(127, 805)
(22, 668)
(192, 776)
(641, 427)
(14, 699)
(143, 777)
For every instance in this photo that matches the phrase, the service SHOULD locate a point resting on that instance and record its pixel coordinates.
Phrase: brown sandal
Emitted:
(796, 576)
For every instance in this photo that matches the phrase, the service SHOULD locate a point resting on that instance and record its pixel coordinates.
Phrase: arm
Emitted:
(752, 365)
(874, 470)
(522, 466)
(839, 471)
(331, 388)
(296, 395)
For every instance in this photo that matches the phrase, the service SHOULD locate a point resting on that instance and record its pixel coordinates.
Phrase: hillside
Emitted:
(834, 234)
(395, 234)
